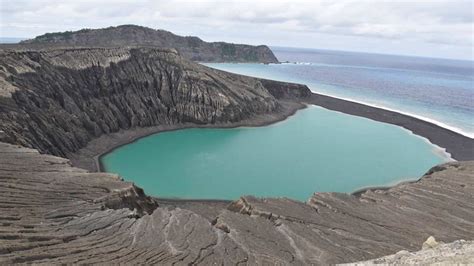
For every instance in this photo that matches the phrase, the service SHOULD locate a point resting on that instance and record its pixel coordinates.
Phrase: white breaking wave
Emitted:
(298, 63)
(424, 118)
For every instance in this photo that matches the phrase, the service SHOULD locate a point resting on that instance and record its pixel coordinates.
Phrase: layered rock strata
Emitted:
(190, 47)
(58, 100)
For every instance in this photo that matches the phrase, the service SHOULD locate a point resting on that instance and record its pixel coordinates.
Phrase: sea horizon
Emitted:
(471, 60)
(418, 110)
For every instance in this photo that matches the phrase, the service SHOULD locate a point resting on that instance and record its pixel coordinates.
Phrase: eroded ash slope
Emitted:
(58, 100)
(54, 213)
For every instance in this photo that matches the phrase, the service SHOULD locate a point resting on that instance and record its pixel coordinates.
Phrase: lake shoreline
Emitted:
(89, 157)
(458, 146)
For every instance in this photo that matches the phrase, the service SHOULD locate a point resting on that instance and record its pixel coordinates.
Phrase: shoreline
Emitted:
(316, 99)
(438, 150)
(314, 90)
(413, 115)
(460, 147)
(455, 145)
(89, 157)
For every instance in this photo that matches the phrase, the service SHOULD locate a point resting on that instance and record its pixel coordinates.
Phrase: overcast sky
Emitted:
(434, 28)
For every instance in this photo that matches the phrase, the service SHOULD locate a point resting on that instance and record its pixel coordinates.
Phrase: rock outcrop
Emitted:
(58, 100)
(130, 35)
(53, 213)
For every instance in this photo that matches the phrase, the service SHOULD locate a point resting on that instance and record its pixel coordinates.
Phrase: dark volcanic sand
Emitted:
(460, 147)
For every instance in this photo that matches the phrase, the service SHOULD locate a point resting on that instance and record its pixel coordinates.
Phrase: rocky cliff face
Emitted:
(58, 100)
(52, 213)
(190, 47)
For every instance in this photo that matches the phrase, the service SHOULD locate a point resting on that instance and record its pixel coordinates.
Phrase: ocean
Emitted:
(440, 91)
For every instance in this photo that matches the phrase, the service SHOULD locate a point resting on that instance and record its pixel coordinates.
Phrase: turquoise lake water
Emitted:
(313, 151)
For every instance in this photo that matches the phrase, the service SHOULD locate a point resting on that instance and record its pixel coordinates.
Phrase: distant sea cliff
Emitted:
(190, 47)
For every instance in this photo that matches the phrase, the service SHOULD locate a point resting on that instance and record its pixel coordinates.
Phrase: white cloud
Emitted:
(443, 22)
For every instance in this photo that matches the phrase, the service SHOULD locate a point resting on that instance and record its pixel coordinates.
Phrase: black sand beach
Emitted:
(460, 147)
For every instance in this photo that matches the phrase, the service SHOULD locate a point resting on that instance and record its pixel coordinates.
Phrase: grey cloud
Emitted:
(436, 21)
